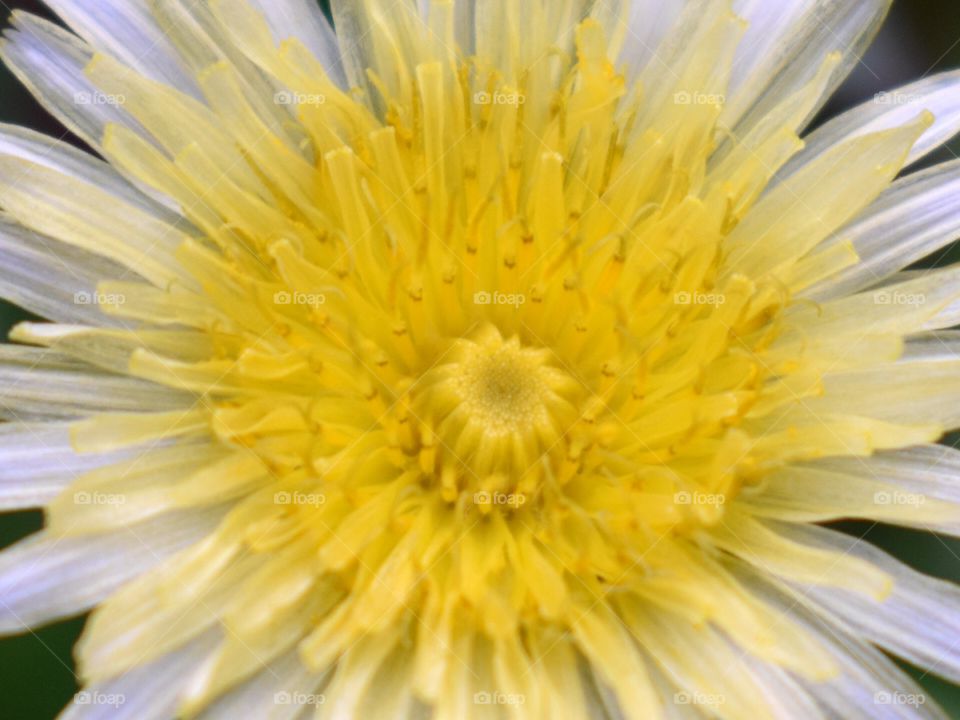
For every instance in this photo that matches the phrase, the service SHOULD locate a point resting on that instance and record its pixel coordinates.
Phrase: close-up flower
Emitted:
(478, 359)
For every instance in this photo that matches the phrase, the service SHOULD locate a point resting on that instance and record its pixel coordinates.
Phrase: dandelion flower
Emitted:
(477, 359)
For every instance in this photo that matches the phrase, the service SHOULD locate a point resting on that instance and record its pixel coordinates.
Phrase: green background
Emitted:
(920, 37)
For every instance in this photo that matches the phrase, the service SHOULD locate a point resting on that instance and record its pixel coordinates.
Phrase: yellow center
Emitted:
(498, 407)
(503, 388)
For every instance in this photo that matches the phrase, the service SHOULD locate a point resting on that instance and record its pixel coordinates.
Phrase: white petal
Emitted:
(50, 63)
(44, 578)
(154, 482)
(690, 655)
(127, 30)
(650, 22)
(44, 275)
(53, 279)
(796, 216)
(919, 620)
(872, 687)
(911, 391)
(939, 346)
(834, 489)
(89, 217)
(282, 690)
(947, 317)
(916, 216)
(37, 461)
(759, 543)
(148, 692)
(60, 156)
(360, 24)
(668, 691)
(769, 24)
(940, 94)
(787, 694)
(783, 55)
(202, 43)
(185, 128)
(111, 348)
(304, 20)
(40, 383)
(464, 23)
(938, 286)
(936, 296)
(868, 679)
(931, 471)
(662, 75)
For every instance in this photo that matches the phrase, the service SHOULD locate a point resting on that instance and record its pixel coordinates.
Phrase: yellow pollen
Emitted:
(499, 406)
(503, 388)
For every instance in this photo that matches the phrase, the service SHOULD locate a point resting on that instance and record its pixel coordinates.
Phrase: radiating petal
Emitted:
(58, 155)
(921, 473)
(794, 217)
(938, 93)
(911, 391)
(53, 279)
(45, 577)
(148, 692)
(282, 691)
(88, 217)
(37, 461)
(815, 29)
(918, 621)
(112, 348)
(907, 303)
(50, 62)
(203, 42)
(40, 383)
(649, 24)
(303, 19)
(916, 216)
(127, 30)
(839, 488)
(154, 482)
(869, 683)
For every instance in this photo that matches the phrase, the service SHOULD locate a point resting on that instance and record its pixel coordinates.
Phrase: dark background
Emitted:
(920, 37)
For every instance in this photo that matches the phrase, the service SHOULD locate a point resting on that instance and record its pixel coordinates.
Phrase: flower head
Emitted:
(477, 354)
